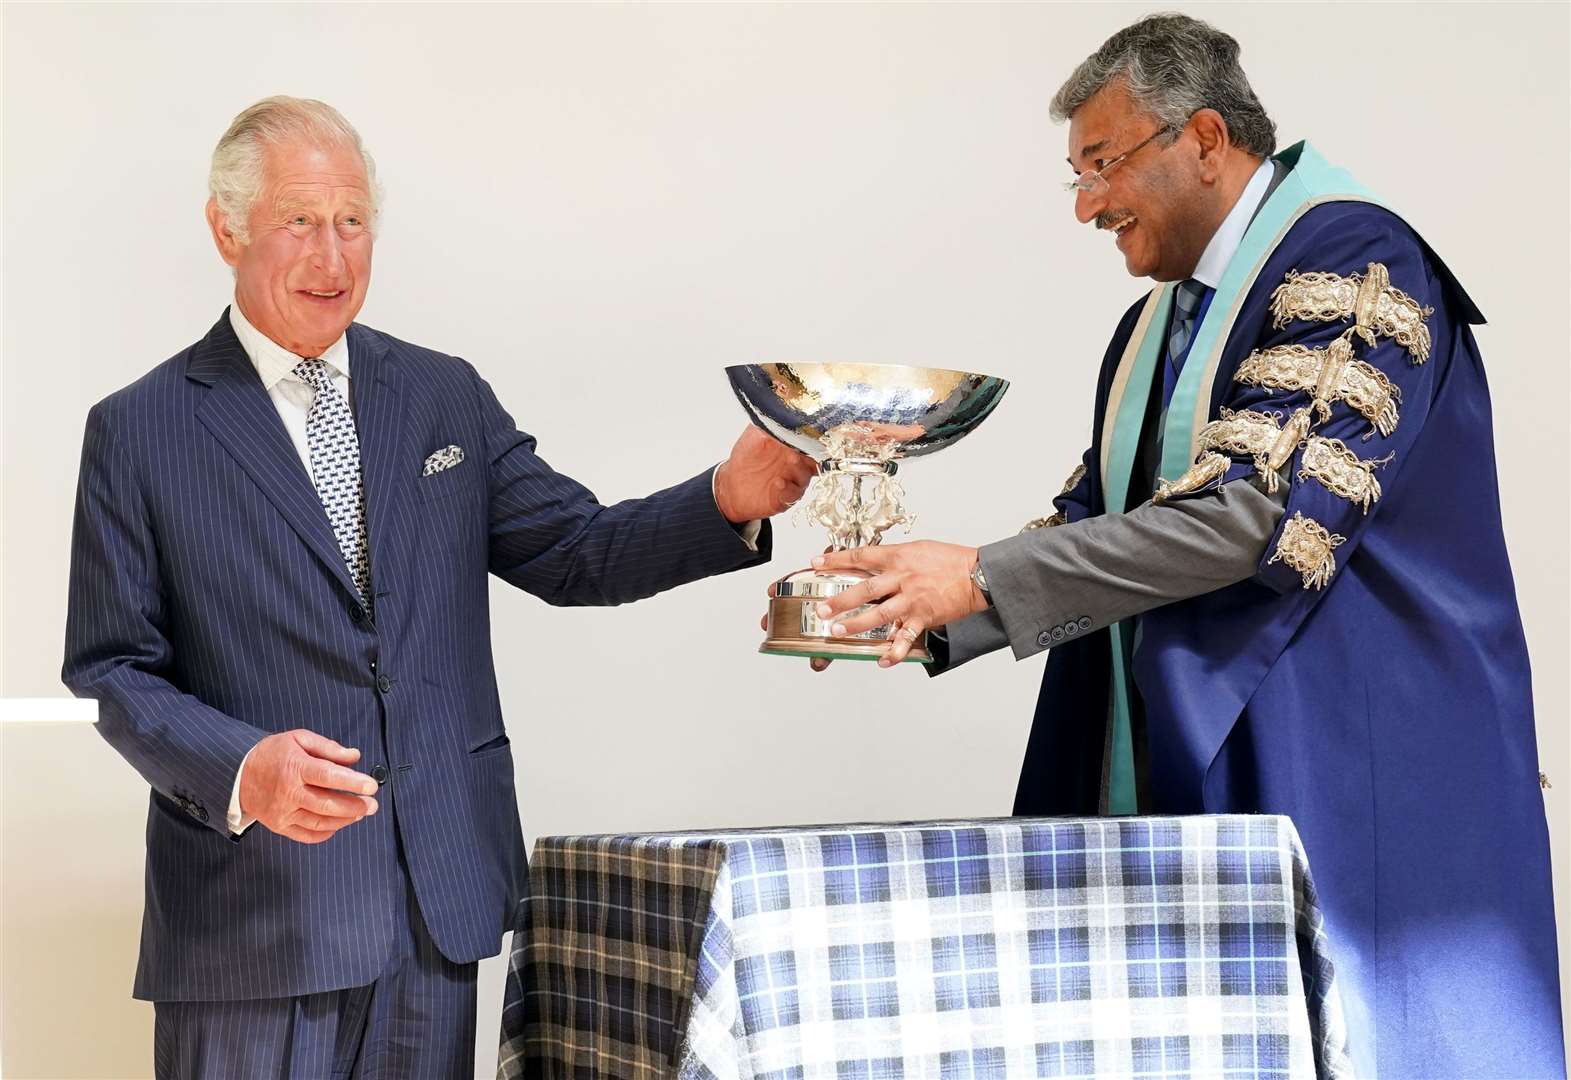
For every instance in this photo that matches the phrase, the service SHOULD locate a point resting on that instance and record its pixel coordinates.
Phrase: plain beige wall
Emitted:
(603, 206)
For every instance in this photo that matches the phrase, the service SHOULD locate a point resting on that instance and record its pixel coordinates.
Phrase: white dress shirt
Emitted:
(292, 397)
(1224, 242)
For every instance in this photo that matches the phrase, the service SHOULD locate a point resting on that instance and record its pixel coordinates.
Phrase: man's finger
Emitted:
(891, 610)
(819, 663)
(313, 822)
(900, 643)
(306, 836)
(782, 493)
(323, 747)
(324, 774)
(876, 557)
(870, 591)
(335, 804)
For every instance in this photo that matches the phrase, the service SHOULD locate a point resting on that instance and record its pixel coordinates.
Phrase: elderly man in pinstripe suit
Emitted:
(278, 597)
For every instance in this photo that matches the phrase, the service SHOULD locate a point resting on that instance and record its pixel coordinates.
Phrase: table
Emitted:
(1030, 947)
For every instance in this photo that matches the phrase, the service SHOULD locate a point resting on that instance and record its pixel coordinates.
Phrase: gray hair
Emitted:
(235, 178)
(1173, 66)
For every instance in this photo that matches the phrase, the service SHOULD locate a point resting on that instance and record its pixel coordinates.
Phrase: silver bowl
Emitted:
(917, 410)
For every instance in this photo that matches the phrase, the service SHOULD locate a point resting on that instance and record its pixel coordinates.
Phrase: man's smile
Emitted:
(1118, 222)
(326, 296)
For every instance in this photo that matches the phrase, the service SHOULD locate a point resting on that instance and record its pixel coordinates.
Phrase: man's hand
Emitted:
(916, 587)
(761, 478)
(297, 785)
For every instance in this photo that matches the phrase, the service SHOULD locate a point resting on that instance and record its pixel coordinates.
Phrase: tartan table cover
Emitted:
(1180, 947)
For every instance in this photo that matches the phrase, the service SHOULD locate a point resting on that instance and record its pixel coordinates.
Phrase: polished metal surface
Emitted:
(857, 421)
(906, 411)
(818, 583)
(796, 630)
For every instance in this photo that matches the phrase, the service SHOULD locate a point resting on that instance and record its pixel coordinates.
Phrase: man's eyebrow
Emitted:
(1088, 150)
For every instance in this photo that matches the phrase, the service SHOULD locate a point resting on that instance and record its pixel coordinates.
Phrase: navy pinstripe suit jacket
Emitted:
(209, 607)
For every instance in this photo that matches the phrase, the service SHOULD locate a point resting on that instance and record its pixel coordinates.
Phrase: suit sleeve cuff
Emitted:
(237, 821)
(749, 531)
(965, 640)
(1037, 607)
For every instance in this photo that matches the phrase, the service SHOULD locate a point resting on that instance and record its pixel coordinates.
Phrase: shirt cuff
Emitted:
(238, 822)
(748, 530)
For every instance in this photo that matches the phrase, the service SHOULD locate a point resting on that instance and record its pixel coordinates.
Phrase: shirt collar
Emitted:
(1224, 242)
(272, 361)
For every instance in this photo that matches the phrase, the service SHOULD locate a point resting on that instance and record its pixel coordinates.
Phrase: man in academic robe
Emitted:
(1277, 582)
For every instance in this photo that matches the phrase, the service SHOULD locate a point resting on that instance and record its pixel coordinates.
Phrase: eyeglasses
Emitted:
(1094, 183)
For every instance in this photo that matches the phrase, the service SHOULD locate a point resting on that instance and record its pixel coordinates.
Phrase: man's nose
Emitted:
(1088, 205)
(327, 254)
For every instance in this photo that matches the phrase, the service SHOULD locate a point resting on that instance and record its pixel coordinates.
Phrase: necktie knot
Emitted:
(313, 371)
(1187, 295)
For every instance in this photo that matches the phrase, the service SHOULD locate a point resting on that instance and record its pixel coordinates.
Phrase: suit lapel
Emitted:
(240, 415)
(386, 455)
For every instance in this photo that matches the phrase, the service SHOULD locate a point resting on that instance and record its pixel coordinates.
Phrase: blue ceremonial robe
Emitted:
(1389, 713)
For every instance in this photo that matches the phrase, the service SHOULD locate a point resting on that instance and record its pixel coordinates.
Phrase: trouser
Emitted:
(416, 1021)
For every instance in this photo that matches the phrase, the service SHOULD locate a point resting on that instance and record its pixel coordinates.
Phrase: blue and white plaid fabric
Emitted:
(1108, 947)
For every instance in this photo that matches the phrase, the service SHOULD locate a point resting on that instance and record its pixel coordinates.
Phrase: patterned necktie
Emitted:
(335, 468)
(1188, 298)
(1186, 303)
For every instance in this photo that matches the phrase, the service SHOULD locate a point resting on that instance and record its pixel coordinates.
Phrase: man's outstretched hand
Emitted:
(915, 587)
(761, 478)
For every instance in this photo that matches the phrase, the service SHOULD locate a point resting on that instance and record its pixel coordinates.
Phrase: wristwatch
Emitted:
(979, 579)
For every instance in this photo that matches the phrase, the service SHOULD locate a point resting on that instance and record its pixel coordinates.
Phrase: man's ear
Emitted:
(1212, 135)
(229, 248)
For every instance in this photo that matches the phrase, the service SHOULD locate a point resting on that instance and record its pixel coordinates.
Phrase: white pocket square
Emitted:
(444, 458)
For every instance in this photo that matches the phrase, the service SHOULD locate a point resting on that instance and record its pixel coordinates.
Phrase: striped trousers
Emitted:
(416, 1020)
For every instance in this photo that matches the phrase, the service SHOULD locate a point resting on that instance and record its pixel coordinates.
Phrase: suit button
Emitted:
(356, 613)
(384, 684)
(1085, 622)
(200, 812)
(1045, 638)
(379, 773)
(1058, 633)
(1071, 629)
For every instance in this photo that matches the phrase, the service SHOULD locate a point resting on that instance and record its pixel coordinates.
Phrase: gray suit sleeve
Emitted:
(973, 636)
(1091, 573)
